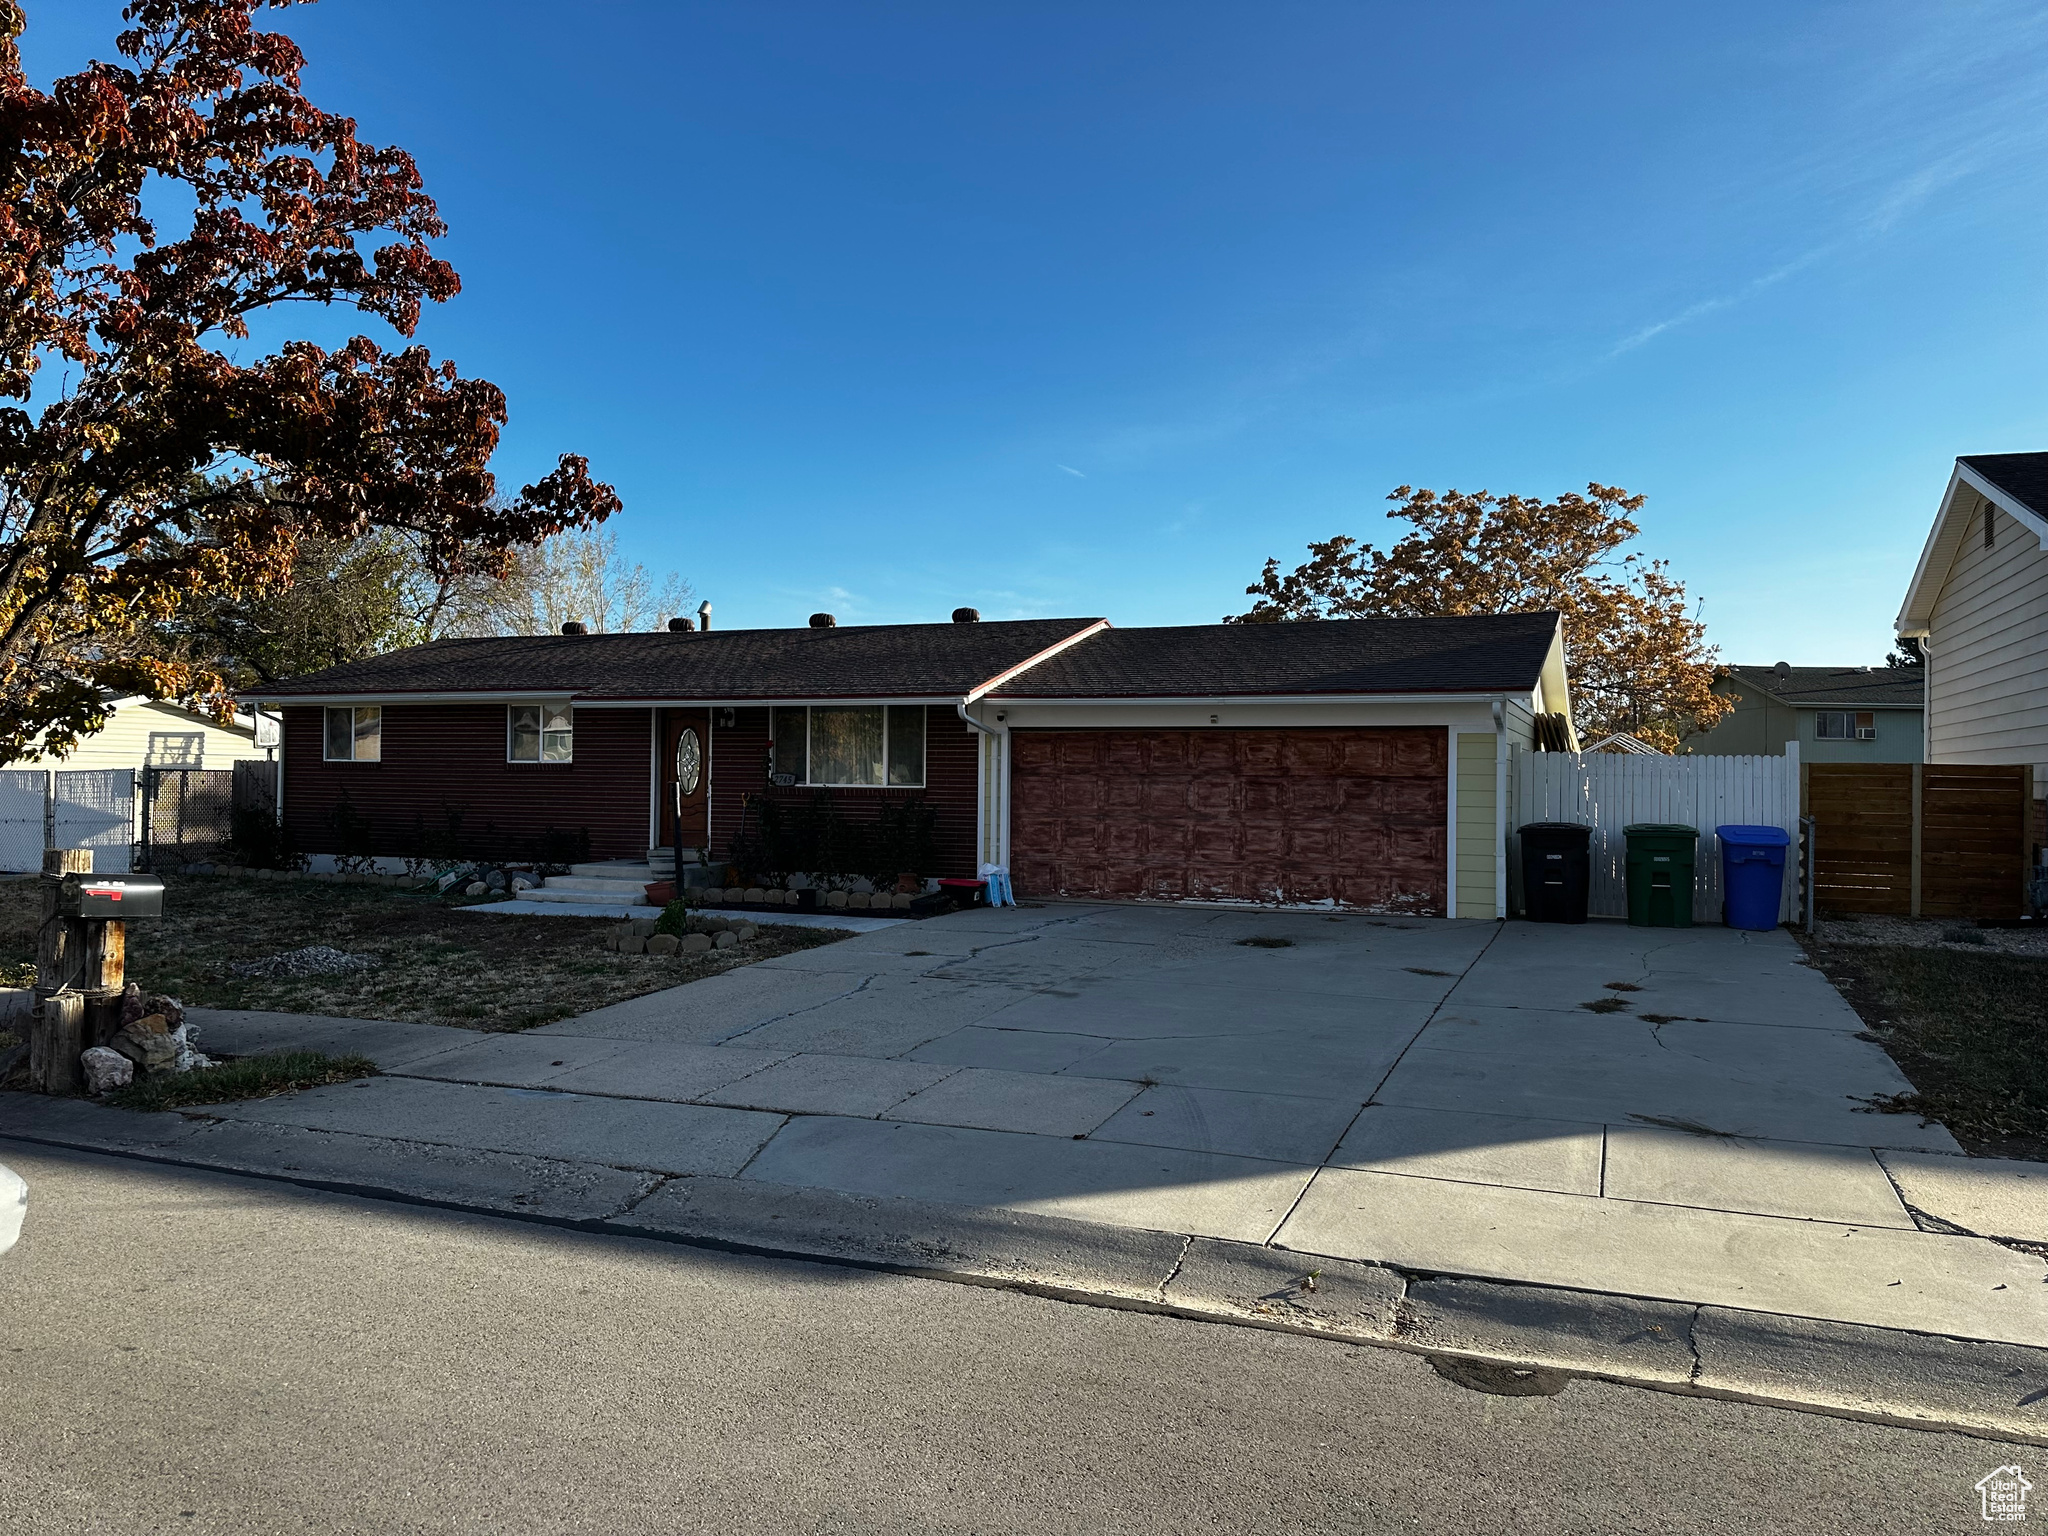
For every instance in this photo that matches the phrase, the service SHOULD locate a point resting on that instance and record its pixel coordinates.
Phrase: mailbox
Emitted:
(119, 896)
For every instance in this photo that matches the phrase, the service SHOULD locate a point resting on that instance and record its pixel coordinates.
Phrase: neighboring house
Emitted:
(1625, 745)
(1978, 605)
(1836, 714)
(1360, 762)
(150, 733)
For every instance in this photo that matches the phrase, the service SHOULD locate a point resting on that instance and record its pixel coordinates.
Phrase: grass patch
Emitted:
(1969, 1031)
(437, 964)
(252, 1077)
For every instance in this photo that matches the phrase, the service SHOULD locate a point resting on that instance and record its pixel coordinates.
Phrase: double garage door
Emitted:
(1355, 817)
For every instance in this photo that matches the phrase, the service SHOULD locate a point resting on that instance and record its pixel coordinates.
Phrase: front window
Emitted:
(1845, 725)
(539, 733)
(355, 734)
(868, 746)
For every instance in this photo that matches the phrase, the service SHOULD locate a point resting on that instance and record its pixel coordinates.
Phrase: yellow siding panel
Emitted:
(139, 734)
(1478, 849)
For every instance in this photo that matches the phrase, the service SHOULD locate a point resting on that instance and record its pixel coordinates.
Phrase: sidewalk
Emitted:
(1425, 1095)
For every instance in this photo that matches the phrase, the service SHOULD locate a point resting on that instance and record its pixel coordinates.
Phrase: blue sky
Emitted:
(1064, 308)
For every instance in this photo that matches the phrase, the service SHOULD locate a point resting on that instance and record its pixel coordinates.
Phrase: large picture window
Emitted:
(355, 734)
(866, 746)
(539, 733)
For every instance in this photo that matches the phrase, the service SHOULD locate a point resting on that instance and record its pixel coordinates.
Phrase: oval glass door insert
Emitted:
(689, 763)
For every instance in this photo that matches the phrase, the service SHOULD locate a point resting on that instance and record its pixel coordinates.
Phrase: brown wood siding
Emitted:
(739, 768)
(1354, 816)
(442, 758)
(1973, 843)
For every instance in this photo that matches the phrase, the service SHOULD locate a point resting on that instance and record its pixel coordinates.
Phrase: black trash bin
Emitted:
(1557, 871)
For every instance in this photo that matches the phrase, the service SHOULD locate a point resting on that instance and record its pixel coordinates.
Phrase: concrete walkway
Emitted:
(1427, 1094)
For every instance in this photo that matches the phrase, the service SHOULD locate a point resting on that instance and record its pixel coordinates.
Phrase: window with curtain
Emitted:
(539, 733)
(867, 746)
(355, 734)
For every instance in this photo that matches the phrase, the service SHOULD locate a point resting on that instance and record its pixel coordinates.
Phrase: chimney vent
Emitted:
(574, 627)
(680, 626)
(704, 615)
(823, 621)
(966, 615)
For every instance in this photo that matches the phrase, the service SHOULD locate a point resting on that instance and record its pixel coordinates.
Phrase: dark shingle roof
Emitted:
(2020, 475)
(866, 661)
(1865, 687)
(1480, 653)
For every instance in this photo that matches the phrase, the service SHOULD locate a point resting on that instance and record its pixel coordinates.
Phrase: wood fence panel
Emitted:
(1863, 836)
(1956, 849)
(1973, 859)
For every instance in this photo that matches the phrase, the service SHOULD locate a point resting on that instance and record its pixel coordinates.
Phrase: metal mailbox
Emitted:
(120, 896)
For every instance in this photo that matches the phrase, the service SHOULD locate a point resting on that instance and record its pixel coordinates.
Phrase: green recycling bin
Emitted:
(1660, 862)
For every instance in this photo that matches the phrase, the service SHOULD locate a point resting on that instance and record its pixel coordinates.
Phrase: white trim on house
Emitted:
(1945, 538)
(1045, 655)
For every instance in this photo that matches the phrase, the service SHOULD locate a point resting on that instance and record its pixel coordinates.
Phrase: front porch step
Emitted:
(614, 895)
(617, 869)
(591, 883)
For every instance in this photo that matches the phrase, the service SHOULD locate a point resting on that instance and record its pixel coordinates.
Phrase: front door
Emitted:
(686, 777)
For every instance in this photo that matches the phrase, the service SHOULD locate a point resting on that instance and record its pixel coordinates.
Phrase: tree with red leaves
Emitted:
(160, 472)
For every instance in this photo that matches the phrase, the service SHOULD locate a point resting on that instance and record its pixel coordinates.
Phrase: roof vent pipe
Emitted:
(573, 627)
(966, 615)
(704, 616)
(823, 621)
(680, 626)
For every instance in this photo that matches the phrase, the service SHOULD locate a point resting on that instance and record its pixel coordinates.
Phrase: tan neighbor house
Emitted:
(1978, 605)
(148, 733)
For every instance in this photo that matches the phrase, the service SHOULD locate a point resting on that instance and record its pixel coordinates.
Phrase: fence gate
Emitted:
(187, 814)
(95, 808)
(1608, 791)
(1920, 839)
(24, 809)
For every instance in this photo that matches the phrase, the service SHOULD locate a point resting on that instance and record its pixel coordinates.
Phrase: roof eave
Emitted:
(1916, 613)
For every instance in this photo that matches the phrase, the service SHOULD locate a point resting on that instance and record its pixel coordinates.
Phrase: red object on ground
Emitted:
(661, 893)
(969, 892)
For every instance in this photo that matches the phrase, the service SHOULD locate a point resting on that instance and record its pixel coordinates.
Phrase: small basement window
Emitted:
(539, 733)
(1844, 725)
(355, 734)
(867, 746)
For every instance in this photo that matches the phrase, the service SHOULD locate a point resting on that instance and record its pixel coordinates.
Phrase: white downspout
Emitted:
(995, 759)
(1500, 808)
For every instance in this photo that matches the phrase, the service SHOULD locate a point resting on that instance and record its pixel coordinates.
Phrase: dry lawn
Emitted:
(439, 965)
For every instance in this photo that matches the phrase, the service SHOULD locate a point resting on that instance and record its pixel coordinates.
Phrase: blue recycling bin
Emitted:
(1752, 875)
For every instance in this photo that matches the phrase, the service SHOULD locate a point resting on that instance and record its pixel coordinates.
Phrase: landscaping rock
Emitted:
(755, 894)
(521, 883)
(476, 888)
(835, 899)
(106, 1070)
(744, 931)
(644, 926)
(664, 944)
(695, 943)
(734, 893)
(633, 944)
(189, 1058)
(495, 879)
(313, 960)
(726, 940)
(152, 1051)
(901, 902)
(859, 899)
(447, 880)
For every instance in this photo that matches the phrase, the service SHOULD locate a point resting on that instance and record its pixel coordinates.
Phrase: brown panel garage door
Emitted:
(1354, 816)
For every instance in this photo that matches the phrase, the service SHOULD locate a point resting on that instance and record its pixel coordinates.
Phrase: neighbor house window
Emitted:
(539, 733)
(1844, 725)
(355, 734)
(866, 746)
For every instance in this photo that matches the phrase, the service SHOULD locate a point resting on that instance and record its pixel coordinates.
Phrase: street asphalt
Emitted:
(191, 1352)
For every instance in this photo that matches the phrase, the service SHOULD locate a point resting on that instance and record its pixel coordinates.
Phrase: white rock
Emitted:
(105, 1071)
(189, 1058)
(476, 888)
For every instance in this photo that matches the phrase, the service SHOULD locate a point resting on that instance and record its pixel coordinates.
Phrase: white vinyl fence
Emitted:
(1609, 791)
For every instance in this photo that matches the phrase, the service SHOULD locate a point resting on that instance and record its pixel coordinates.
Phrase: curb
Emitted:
(1845, 1370)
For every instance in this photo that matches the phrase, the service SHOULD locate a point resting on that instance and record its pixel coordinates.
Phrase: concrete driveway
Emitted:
(1430, 1094)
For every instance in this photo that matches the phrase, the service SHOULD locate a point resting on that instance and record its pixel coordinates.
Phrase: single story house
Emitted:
(155, 733)
(1836, 714)
(1360, 763)
(1978, 605)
